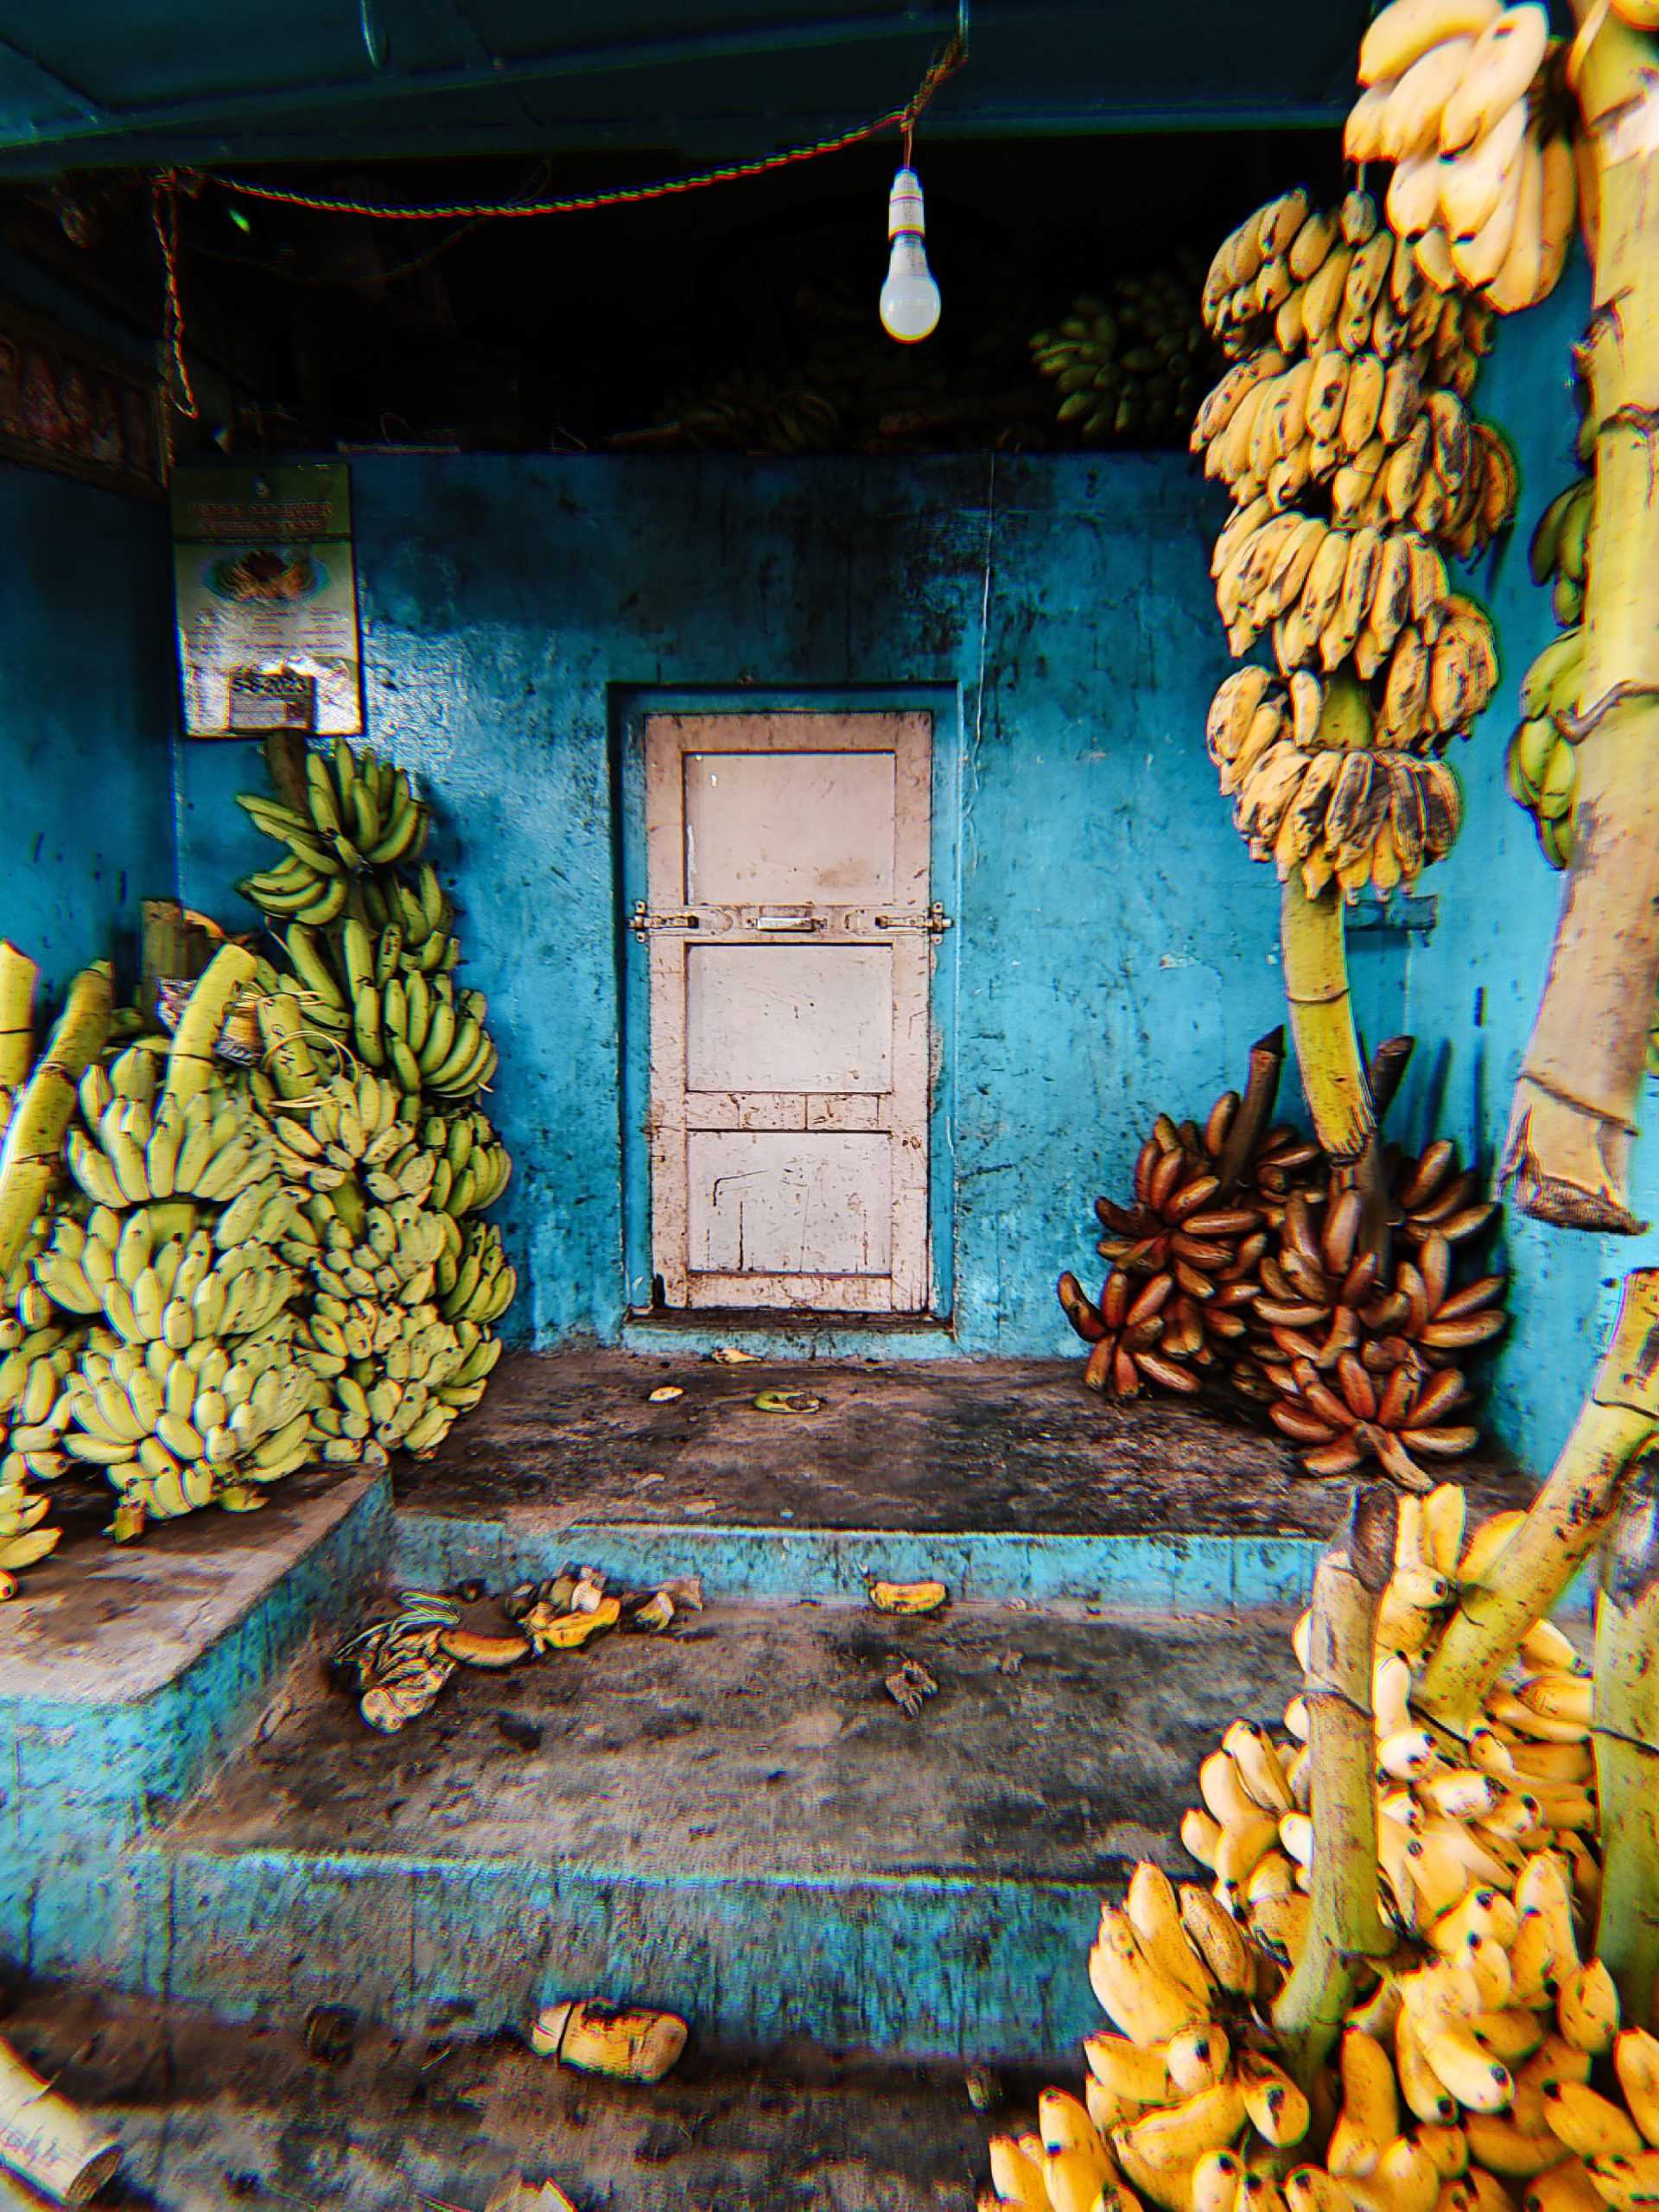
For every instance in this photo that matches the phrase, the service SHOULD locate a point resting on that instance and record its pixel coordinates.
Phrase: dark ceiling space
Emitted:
(105, 82)
(312, 330)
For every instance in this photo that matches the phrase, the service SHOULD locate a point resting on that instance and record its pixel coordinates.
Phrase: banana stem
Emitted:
(1627, 1748)
(1564, 1522)
(18, 976)
(292, 1067)
(190, 1062)
(1345, 1923)
(1572, 1121)
(34, 1145)
(1256, 1108)
(1322, 1019)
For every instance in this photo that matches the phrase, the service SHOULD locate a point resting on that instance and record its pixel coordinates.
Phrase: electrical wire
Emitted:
(903, 118)
(167, 184)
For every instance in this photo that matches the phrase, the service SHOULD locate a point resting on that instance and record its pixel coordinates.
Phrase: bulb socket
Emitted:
(904, 215)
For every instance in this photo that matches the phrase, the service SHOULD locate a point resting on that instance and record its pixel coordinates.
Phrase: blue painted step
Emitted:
(739, 1822)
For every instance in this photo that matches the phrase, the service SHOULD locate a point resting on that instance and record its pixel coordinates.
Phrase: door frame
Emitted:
(630, 706)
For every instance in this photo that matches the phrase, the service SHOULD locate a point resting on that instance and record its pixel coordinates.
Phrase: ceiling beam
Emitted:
(133, 125)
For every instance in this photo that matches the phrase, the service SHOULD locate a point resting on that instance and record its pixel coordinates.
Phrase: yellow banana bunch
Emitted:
(129, 1148)
(1486, 2061)
(1314, 792)
(1482, 196)
(1352, 370)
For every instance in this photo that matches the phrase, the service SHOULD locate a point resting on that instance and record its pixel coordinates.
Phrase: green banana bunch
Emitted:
(376, 1233)
(1541, 767)
(1560, 549)
(476, 1284)
(360, 813)
(175, 1430)
(1136, 366)
(128, 1150)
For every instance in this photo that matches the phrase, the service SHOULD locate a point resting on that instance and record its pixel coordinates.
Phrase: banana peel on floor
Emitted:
(633, 2042)
(398, 1668)
(909, 1685)
(787, 1402)
(914, 1598)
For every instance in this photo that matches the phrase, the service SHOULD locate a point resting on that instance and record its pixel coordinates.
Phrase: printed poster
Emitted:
(267, 600)
(66, 404)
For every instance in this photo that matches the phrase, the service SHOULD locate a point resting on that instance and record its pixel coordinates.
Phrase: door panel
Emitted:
(788, 826)
(788, 1017)
(787, 872)
(784, 1205)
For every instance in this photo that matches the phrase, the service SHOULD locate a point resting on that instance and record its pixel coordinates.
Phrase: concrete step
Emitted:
(214, 2113)
(737, 1821)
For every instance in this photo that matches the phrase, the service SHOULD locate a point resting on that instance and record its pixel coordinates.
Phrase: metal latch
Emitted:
(643, 921)
(800, 922)
(933, 923)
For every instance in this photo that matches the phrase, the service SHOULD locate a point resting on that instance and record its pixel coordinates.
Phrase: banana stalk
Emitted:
(1345, 1923)
(18, 976)
(33, 1147)
(1572, 1121)
(1564, 1522)
(1322, 1019)
(1249, 1123)
(1627, 1747)
(287, 1054)
(190, 1063)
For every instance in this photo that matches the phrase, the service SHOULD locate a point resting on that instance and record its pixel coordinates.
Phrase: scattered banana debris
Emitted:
(48, 2141)
(787, 1402)
(732, 1356)
(909, 1685)
(916, 1598)
(634, 2042)
(665, 1395)
(398, 1668)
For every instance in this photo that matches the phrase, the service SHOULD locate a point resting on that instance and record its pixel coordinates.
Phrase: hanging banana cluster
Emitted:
(1344, 438)
(1482, 2064)
(1313, 790)
(1459, 95)
(1542, 766)
(1131, 367)
(399, 1290)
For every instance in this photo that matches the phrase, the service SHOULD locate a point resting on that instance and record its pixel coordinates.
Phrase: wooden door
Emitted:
(790, 941)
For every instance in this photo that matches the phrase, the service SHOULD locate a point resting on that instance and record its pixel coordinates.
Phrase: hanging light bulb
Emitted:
(910, 298)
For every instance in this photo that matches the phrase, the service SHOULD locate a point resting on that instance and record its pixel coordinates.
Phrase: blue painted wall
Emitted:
(86, 716)
(1115, 951)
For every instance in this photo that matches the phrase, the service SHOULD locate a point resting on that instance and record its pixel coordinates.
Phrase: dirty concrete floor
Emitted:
(930, 1445)
(761, 1740)
(214, 2115)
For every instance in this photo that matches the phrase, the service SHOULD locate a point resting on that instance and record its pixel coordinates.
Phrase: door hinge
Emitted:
(933, 923)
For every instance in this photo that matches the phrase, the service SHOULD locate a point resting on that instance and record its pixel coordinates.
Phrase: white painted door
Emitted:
(791, 944)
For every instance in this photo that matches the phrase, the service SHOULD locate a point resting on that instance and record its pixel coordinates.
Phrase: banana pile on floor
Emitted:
(1135, 366)
(1238, 1267)
(400, 1290)
(185, 1392)
(1484, 2069)
(375, 1113)
(1458, 95)
(1346, 440)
